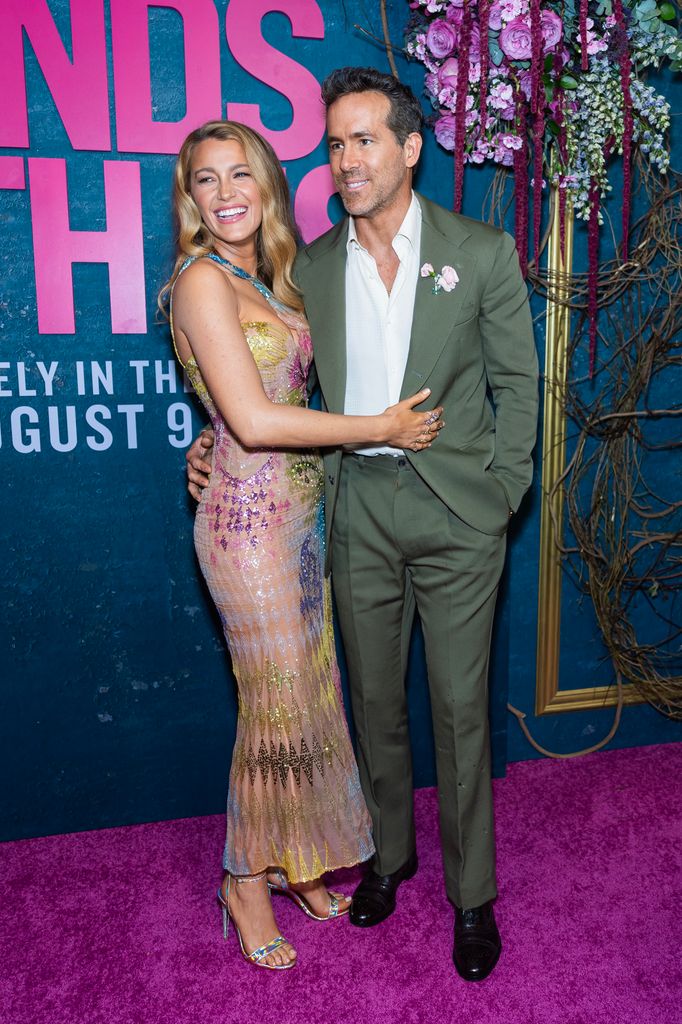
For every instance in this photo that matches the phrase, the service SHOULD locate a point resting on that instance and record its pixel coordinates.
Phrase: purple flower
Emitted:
(552, 29)
(515, 40)
(510, 9)
(447, 97)
(525, 79)
(475, 43)
(445, 131)
(504, 156)
(594, 43)
(495, 16)
(432, 83)
(441, 38)
(555, 108)
(501, 95)
(448, 73)
(455, 15)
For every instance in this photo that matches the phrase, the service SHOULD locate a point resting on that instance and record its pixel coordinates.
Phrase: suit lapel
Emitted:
(434, 315)
(324, 292)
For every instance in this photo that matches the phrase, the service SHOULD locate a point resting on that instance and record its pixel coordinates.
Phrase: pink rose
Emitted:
(426, 270)
(444, 129)
(552, 29)
(447, 73)
(441, 38)
(455, 15)
(447, 279)
(495, 16)
(515, 40)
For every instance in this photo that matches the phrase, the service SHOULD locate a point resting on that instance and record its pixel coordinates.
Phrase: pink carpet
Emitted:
(120, 926)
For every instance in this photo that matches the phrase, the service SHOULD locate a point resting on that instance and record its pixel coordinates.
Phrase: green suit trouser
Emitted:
(395, 545)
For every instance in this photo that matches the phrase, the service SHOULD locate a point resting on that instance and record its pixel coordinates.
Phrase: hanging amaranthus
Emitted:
(593, 273)
(461, 104)
(483, 12)
(584, 57)
(628, 123)
(521, 185)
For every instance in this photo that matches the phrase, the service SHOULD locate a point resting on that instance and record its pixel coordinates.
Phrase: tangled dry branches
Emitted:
(623, 485)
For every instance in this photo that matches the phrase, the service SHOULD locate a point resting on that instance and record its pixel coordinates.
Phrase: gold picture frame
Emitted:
(549, 698)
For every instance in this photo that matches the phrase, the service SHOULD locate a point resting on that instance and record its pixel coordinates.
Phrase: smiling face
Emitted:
(372, 171)
(225, 192)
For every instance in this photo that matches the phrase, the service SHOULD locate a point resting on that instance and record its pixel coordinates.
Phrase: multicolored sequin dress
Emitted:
(294, 796)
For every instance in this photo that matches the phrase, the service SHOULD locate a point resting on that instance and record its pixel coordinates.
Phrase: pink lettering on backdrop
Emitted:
(137, 131)
(56, 246)
(12, 172)
(312, 199)
(78, 87)
(242, 26)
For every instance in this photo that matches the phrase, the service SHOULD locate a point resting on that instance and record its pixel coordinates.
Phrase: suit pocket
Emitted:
(484, 441)
(467, 314)
(502, 488)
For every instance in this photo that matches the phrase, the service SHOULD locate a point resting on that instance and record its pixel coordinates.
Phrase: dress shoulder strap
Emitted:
(278, 306)
(185, 265)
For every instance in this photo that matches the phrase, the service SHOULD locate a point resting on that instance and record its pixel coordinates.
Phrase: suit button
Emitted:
(402, 461)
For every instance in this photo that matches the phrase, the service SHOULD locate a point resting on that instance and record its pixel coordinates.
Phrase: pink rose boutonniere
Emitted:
(447, 279)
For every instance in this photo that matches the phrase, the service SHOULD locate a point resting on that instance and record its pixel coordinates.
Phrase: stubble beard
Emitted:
(381, 199)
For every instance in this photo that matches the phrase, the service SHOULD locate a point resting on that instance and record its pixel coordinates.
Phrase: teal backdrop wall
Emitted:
(117, 704)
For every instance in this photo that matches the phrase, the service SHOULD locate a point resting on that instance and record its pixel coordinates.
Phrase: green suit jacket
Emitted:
(472, 346)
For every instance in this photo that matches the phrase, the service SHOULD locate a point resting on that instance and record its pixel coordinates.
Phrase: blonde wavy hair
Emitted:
(277, 235)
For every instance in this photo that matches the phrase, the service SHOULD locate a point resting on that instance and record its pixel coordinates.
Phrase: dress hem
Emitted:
(306, 878)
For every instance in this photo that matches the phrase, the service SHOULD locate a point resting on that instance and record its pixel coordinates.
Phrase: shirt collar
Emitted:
(410, 229)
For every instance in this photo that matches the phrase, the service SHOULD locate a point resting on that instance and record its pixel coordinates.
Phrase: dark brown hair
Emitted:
(405, 115)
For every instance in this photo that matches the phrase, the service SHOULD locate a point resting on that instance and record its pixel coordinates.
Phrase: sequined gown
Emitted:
(294, 796)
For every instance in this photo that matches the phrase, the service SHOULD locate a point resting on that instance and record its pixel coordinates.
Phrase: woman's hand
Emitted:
(406, 428)
(199, 457)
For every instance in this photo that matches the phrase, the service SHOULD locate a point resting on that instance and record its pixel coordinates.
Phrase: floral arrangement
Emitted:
(563, 79)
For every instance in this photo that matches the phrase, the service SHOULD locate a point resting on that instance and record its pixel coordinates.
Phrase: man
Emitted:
(400, 295)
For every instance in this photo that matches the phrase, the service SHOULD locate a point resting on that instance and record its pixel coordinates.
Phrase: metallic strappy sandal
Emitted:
(284, 889)
(259, 955)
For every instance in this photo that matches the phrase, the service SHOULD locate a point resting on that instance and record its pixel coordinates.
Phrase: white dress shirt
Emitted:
(379, 324)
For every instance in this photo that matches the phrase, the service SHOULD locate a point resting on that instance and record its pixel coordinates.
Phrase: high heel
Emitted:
(259, 955)
(284, 889)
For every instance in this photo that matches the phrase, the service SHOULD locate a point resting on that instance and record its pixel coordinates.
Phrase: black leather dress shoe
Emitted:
(477, 942)
(374, 898)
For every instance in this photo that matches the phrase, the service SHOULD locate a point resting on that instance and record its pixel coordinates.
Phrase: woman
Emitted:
(295, 809)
